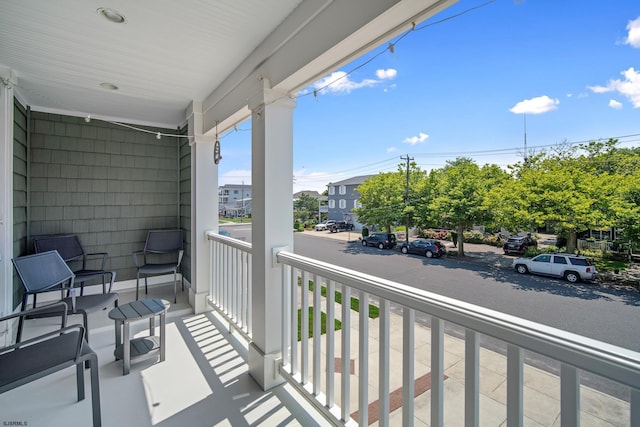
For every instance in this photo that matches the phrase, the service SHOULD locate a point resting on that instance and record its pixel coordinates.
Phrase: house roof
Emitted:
(310, 193)
(356, 180)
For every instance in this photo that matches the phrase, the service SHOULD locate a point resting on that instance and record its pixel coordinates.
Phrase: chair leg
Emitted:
(21, 318)
(95, 392)
(80, 380)
(175, 282)
(146, 287)
(85, 323)
(137, 284)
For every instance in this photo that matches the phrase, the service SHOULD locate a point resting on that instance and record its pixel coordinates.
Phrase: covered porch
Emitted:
(233, 353)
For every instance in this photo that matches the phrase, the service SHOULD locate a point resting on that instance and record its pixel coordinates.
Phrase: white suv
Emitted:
(572, 267)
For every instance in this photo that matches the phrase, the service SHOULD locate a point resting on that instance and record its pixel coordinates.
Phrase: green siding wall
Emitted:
(185, 200)
(104, 182)
(20, 199)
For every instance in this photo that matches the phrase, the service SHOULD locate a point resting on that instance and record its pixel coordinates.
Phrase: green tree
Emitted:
(306, 208)
(386, 200)
(455, 196)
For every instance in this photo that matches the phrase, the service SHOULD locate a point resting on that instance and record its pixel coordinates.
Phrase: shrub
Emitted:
(473, 236)
(365, 231)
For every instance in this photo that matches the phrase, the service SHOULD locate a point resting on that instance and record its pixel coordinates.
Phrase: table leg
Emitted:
(162, 330)
(118, 334)
(152, 325)
(126, 350)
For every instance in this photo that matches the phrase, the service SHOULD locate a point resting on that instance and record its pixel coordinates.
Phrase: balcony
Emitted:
(396, 369)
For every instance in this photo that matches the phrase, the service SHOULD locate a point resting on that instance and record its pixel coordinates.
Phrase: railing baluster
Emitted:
(249, 294)
(294, 320)
(345, 374)
(635, 407)
(304, 328)
(317, 336)
(437, 372)
(243, 290)
(363, 356)
(569, 396)
(330, 343)
(471, 379)
(286, 318)
(408, 366)
(383, 365)
(515, 412)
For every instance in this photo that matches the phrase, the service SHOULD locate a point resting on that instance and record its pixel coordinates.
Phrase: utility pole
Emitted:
(406, 195)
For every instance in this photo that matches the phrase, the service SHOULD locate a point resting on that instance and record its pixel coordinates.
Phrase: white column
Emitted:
(204, 208)
(6, 192)
(272, 225)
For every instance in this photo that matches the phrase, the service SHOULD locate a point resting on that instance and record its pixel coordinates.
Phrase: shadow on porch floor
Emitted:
(204, 381)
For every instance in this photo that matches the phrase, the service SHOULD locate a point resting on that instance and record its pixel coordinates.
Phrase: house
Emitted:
(109, 126)
(343, 198)
(234, 200)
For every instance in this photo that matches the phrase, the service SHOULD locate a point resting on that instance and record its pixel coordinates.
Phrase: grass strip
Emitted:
(374, 311)
(323, 323)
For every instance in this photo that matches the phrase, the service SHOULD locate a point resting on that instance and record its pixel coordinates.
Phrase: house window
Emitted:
(235, 191)
(357, 204)
(332, 190)
(343, 203)
(332, 204)
(342, 190)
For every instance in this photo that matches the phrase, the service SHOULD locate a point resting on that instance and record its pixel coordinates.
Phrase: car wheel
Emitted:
(428, 254)
(404, 250)
(572, 277)
(380, 246)
(364, 243)
(522, 269)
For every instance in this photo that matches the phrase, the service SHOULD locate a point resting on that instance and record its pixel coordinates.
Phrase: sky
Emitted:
(477, 80)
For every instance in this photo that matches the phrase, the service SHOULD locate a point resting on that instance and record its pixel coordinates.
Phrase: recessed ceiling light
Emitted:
(111, 15)
(108, 86)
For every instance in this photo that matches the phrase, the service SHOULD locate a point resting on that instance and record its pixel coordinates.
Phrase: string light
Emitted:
(158, 135)
(88, 118)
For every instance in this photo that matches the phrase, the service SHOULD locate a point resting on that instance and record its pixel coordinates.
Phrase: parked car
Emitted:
(340, 226)
(381, 240)
(427, 247)
(224, 233)
(518, 244)
(573, 268)
(324, 225)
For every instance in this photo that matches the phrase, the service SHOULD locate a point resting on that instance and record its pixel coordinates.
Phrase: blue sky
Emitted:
(463, 87)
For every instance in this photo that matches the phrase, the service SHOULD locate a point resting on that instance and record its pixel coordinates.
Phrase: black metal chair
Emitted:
(70, 249)
(48, 272)
(27, 361)
(162, 253)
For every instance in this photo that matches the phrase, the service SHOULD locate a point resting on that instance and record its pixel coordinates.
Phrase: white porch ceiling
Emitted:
(169, 53)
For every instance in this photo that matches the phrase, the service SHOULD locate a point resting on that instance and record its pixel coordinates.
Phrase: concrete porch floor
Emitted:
(204, 380)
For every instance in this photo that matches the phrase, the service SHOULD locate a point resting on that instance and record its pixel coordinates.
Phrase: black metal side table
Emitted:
(128, 349)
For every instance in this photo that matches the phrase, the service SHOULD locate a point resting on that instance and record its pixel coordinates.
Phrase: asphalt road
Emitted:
(607, 314)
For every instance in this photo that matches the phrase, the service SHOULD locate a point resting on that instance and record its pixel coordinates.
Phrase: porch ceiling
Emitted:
(168, 54)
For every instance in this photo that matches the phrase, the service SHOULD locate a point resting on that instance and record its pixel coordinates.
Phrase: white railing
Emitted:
(310, 363)
(230, 287)
(303, 362)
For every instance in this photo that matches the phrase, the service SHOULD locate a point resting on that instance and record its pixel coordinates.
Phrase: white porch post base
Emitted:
(198, 301)
(264, 367)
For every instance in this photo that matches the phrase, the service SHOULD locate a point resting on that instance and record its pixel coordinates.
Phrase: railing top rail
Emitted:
(610, 361)
(230, 241)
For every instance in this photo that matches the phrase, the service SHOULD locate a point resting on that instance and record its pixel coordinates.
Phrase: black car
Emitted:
(427, 247)
(518, 244)
(340, 226)
(381, 240)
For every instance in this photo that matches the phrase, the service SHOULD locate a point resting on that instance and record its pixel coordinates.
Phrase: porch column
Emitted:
(204, 208)
(272, 225)
(6, 193)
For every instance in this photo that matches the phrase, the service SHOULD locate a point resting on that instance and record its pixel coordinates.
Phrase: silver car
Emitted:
(573, 268)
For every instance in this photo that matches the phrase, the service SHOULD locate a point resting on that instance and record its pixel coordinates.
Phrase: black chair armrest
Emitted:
(63, 312)
(104, 259)
(43, 337)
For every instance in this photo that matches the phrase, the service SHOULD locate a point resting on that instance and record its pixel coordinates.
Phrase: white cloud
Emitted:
(629, 87)
(341, 82)
(538, 105)
(633, 39)
(615, 104)
(387, 74)
(419, 139)
(392, 150)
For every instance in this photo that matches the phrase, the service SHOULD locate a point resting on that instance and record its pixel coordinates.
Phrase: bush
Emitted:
(473, 237)
(365, 231)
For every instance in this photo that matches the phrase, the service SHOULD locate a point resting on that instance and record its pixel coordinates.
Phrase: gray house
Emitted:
(343, 198)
